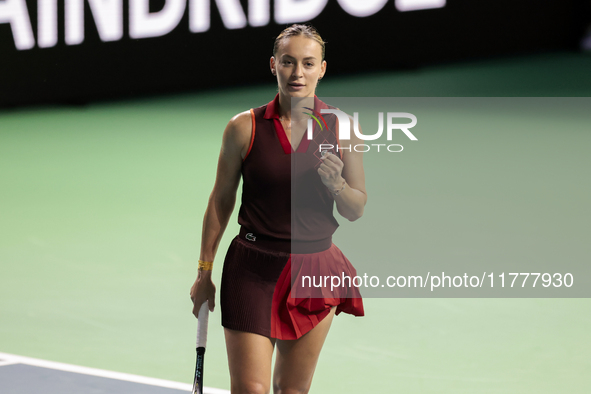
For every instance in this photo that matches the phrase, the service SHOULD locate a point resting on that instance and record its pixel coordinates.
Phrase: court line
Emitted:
(15, 359)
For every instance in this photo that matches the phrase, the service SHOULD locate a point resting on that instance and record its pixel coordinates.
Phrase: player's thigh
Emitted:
(296, 360)
(249, 359)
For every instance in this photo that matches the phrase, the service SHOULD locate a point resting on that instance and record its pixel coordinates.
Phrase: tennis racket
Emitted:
(202, 319)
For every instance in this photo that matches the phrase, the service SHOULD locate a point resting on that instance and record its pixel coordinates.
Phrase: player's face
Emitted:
(298, 65)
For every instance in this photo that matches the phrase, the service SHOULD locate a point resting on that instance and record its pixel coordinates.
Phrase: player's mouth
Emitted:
(296, 86)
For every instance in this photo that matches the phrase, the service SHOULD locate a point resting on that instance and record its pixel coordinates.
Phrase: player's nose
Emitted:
(298, 70)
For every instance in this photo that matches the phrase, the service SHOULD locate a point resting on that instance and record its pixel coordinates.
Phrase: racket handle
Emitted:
(202, 319)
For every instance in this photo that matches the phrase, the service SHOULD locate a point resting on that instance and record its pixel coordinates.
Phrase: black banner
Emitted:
(80, 50)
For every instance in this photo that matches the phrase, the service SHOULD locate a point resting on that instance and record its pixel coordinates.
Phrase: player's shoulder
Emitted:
(243, 120)
(240, 126)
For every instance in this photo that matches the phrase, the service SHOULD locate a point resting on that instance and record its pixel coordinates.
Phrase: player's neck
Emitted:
(294, 107)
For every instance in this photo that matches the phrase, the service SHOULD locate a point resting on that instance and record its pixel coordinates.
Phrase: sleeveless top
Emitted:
(285, 206)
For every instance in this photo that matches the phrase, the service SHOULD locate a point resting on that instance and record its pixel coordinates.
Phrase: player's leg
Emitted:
(296, 360)
(249, 359)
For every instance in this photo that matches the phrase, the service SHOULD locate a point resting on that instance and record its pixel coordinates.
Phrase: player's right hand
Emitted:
(203, 290)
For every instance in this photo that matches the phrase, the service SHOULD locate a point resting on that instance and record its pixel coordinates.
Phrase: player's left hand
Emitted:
(330, 171)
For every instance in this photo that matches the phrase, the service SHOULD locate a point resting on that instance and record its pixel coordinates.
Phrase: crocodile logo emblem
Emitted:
(250, 237)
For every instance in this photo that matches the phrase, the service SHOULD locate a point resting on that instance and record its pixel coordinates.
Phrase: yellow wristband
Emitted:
(205, 265)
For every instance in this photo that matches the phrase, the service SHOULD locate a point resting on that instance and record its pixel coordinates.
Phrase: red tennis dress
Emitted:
(287, 223)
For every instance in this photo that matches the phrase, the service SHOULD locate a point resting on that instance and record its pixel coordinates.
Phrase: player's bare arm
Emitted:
(221, 202)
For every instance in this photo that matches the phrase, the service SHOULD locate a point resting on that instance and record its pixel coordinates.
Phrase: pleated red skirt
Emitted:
(256, 289)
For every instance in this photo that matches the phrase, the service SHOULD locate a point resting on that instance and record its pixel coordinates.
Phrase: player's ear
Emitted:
(322, 69)
(272, 65)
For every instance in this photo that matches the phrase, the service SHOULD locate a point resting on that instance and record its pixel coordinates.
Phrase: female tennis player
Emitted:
(286, 217)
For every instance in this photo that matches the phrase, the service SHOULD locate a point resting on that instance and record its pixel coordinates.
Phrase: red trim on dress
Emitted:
(287, 148)
(252, 135)
(272, 112)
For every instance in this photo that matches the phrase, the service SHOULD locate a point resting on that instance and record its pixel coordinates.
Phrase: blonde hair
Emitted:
(299, 30)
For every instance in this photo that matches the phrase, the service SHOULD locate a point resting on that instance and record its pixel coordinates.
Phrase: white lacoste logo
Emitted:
(250, 237)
